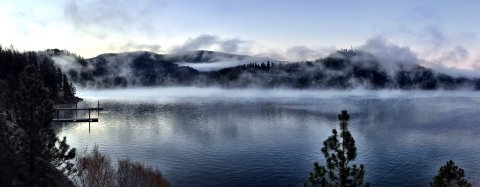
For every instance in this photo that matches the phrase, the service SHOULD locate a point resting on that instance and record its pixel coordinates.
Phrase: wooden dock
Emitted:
(79, 108)
(58, 119)
(76, 120)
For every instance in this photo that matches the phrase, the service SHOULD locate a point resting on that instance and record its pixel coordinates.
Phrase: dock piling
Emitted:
(61, 119)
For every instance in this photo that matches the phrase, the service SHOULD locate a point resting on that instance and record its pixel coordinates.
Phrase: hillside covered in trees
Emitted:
(344, 69)
(31, 154)
(56, 82)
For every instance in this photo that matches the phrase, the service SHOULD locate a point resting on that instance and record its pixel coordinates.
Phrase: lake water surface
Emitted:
(216, 137)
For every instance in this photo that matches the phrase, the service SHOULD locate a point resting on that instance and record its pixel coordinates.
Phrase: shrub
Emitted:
(96, 169)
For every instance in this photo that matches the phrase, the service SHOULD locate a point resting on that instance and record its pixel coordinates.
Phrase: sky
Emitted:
(442, 33)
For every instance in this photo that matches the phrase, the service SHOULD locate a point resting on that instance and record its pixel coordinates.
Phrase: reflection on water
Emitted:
(273, 141)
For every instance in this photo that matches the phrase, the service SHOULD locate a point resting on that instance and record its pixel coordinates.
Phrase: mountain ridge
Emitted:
(343, 69)
(196, 56)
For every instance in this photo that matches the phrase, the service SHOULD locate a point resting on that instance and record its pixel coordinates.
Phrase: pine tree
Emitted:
(68, 88)
(339, 151)
(34, 113)
(3, 95)
(48, 73)
(450, 175)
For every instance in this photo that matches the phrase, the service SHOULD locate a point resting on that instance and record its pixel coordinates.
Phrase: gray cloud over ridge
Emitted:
(207, 41)
(133, 46)
(424, 33)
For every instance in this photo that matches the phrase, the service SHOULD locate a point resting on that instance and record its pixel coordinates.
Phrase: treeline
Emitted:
(122, 70)
(344, 69)
(12, 63)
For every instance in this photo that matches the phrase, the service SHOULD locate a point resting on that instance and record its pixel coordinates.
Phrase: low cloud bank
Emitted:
(212, 42)
(205, 67)
(217, 94)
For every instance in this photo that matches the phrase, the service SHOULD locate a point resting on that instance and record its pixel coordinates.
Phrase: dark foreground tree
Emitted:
(30, 152)
(36, 151)
(339, 150)
(450, 175)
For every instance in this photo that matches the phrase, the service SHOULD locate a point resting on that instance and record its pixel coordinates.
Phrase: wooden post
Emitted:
(98, 109)
(88, 120)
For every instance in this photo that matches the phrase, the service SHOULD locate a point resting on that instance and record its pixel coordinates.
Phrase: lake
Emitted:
(255, 137)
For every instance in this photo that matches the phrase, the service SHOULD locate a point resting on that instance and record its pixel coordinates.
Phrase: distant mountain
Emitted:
(212, 61)
(129, 69)
(344, 69)
(140, 68)
(202, 56)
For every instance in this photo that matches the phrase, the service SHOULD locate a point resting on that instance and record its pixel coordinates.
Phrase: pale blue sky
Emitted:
(296, 29)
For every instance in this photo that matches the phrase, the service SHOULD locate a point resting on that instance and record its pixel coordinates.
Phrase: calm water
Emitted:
(214, 137)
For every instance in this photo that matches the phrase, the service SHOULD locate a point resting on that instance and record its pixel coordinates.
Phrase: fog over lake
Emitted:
(271, 137)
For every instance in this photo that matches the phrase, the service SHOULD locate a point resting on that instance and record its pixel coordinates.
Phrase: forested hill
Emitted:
(344, 69)
(13, 63)
(30, 152)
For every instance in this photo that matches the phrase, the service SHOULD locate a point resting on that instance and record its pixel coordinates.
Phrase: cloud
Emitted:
(433, 36)
(423, 31)
(213, 66)
(211, 42)
(307, 53)
(133, 46)
(422, 16)
(199, 42)
(389, 52)
(441, 49)
(456, 55)
(67, 63)
(295, 53)
(476, 64)
(231, 45)
(106, 16)
(393, 56)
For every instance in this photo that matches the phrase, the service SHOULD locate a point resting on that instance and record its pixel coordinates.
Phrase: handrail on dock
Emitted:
(79, 108)
(79, 120)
